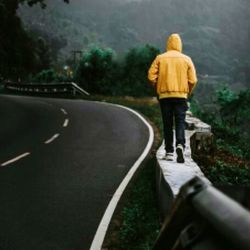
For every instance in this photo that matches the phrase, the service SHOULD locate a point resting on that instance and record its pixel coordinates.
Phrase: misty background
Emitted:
(216, 34)
(107, 47)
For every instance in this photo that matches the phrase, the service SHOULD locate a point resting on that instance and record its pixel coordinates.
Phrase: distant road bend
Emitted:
(61, 161)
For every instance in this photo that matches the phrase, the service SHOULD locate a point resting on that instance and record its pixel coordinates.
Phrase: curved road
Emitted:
(60, 163)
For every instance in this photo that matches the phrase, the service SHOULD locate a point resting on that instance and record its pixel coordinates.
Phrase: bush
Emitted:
(140, 225)
(231, 123)
(96, 71)
(223, 173)
(100, 73)
(50, 75)
(46, 76)
(136, 65)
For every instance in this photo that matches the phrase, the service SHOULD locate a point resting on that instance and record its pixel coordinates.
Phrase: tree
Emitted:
(136, 65)
(231, 123)
(96, 70)
(41, 2)
(100, 73)
(17, 49)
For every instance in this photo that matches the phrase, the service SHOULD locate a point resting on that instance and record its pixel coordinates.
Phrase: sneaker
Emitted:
(179, 152)
(169, 156)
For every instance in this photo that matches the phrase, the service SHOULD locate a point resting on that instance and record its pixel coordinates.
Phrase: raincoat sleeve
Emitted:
(153, 72)
(192, 78)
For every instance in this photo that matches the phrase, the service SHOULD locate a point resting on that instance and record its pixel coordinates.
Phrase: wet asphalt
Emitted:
(54, 197)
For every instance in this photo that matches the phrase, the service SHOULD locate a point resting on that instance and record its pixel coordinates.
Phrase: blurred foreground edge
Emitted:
(203, 218)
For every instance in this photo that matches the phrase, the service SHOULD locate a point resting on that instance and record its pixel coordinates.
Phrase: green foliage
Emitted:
(96, 69)
(223, 173)
(235, 116)
(50, 75)
(100, 73)
(43, 53)
(41, 2)
(122, 26)
(136, 65)
(232, 149)
(46, 76)
(20, 54)
(14, 43)
(230, 120)
(215, 33)
(225, 96)
(195, 107)
(230, 125)
(140, 225)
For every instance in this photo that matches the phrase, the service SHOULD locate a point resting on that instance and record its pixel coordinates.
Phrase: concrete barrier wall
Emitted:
(172, 175)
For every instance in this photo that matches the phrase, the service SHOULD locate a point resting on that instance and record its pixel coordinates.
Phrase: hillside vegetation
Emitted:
(215, 33)
(117, 41)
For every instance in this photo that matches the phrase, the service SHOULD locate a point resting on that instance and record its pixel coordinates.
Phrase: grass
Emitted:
(139, 224)
(223, 173)
(229, 163)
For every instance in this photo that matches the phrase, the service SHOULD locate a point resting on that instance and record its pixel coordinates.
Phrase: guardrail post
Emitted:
(181, 214)
(203, 218)
(202, 144)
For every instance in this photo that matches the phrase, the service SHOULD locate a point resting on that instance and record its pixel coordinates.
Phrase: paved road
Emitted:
(54, 196)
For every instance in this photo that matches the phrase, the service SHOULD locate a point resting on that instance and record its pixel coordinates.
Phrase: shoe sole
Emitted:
(180, 157)
(167, 159)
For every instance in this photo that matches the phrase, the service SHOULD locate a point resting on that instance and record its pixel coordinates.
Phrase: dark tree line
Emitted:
(100, 72)
(20, 52)
(215, 33)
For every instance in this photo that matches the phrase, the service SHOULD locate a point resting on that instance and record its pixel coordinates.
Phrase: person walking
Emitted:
(173, 75)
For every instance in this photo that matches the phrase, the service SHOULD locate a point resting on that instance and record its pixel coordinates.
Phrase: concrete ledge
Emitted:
(172, 175)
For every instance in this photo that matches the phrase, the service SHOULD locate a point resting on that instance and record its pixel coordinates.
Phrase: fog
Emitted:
(215, 33)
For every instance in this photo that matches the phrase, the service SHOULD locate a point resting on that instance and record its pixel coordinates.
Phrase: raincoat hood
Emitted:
(174, 43)
(173, 73)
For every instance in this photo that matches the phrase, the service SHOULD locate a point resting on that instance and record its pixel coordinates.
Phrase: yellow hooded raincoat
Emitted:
(173, 73)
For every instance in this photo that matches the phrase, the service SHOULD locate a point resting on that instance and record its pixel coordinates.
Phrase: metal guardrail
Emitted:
(46, 88)
(203, 218)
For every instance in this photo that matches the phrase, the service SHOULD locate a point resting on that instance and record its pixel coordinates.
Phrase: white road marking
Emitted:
(103, 226)
(66, 123)
(15, 159)
(64, 111)
(52, 139)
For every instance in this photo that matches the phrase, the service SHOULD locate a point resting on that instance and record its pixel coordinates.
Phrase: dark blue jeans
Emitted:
(173, 112)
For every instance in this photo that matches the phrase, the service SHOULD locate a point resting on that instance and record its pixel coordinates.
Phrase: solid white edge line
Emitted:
(15, 159)
(66, 123)
(103, 226)
(52, 139)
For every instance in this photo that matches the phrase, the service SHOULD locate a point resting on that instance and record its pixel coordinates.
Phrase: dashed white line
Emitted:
(15, 159)
(64, 111)
(52, 139)
(66, 123)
